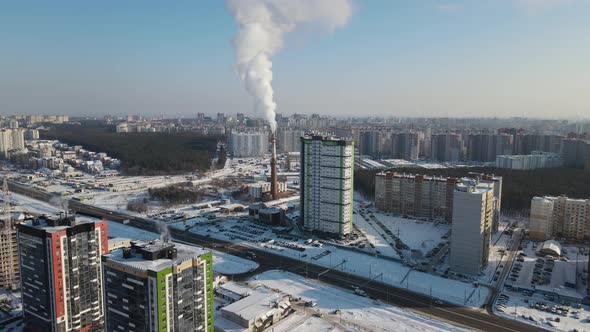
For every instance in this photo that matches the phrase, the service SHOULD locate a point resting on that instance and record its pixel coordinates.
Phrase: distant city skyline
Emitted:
(395, 58)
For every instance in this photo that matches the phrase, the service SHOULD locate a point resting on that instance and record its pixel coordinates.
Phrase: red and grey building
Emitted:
(61, 273)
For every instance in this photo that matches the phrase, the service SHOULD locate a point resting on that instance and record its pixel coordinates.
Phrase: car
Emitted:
(310, 304)
(438, 302)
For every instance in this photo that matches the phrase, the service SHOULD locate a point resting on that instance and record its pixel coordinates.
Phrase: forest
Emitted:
(142, 153)
(518, 187)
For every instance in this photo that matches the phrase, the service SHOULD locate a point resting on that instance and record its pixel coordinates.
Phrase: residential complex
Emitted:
(471, 228)
(559, 217)
(446, 147)
(326, 187)
(157, 286)
(248, 143)
(537, 159)
(61, 274)
(415, 195)
(429, 197)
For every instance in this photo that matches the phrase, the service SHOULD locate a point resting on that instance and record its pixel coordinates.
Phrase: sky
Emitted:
(435, 58)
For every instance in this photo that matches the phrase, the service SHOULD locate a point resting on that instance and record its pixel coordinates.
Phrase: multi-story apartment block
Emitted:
(429, 197)
(9, 270)
(471, 228)
(446, 147)
(415, 195)
(575, 152)
(249, 143)
(485, 147)
(537, 159)
(370, 142)
(61, 274)
(559, 217)
(157, 286)
(541, 218)
(326, 186)
(11, 139)
(289, 140)
(405, 145)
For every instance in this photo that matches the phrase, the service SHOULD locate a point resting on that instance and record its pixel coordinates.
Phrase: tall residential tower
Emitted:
(159, 286)
(326, 187)
(61, 275)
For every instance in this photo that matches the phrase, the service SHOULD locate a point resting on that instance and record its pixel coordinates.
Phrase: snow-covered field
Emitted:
(361, 264)
(356, 312)
(421, 235)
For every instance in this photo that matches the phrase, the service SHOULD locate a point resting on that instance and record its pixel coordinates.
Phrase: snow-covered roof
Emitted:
(551, 247)
(254, 305)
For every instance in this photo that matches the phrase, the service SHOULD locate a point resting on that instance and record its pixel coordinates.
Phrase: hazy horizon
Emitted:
(525, 58)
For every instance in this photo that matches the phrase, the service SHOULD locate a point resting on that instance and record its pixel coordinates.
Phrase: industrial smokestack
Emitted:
(273, 167)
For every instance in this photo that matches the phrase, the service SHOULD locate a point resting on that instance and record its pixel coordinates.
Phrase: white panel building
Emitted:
(327, 167)
(471, 228)
(249, 144)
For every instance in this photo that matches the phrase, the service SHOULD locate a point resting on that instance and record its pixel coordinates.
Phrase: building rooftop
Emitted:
(55, 223)
(259, 302)
(154, 255)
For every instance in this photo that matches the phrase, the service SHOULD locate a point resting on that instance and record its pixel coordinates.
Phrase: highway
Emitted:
(466, 317)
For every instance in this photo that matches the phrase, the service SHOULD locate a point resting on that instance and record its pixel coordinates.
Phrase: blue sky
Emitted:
(395, 57)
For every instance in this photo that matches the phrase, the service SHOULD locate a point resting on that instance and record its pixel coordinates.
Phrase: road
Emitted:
(471, 318)
(507, 267)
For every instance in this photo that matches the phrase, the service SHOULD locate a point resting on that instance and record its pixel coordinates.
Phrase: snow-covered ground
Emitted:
(374, 236)
(421, 235)
(361, 264)
(356, 312)
(32, 205)
(222, 263)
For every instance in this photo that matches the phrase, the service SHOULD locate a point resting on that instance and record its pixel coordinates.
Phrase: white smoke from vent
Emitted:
(262, 27)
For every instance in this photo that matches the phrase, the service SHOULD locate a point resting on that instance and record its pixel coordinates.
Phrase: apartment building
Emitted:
(537, 159)
(61, 274)
(11, 139)
(158, 286)
(406, 145)
(471, 228)
(446, 147)
(415, 195)
(248, 143)
(430, 197)
(288, 140)
(9, 269)
(326, 186)
(559, 217)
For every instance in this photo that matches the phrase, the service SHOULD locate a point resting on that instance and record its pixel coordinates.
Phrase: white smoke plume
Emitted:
(262, 27)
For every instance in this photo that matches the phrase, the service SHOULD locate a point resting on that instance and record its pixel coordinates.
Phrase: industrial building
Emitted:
(326, 188)
(61, 274)
(258, 310)
(471, 228)
(158, 286)
(559, 217)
